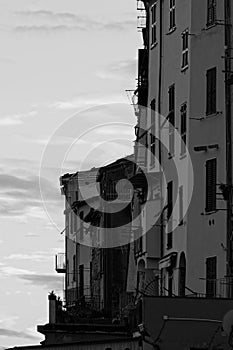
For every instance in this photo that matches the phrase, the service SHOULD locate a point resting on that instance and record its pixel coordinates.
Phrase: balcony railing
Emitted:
(60, 263)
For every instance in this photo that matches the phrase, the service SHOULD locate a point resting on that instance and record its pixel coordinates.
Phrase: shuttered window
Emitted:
(153, 25)
(185, 49)
(169, 213)
(211, 81)
(81, 280)
(183, 128)
(211, 12)
(172, 11)
(171, 118)
(81, 228)
(181, 206)
(211, 177)
(152, 135)
(211, 276)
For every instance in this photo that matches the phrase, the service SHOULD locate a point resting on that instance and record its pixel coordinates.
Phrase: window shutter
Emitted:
(211, 275)
(211, 177)
(211, 91)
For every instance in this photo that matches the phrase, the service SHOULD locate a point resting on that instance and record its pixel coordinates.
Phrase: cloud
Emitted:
(20, 196)
(4, 332)
(14, 271)
(16, 119)
(49, 282)
(31, 235)
(37, 256)
(46, 28)
(85, 101)
(122, 70)
(50, 21)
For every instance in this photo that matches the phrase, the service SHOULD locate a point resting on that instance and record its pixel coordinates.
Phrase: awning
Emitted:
(168, 261)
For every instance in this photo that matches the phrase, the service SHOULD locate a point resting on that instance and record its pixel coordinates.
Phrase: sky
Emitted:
(64, 69)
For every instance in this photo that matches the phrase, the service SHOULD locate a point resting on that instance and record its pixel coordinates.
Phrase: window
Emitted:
(211, 276)
(81, 280)
(172, 15)
(171, 118)
(153, 25)
(211, 81)
(211, 176)
(152, 135)
(183, 127)
(185, 43)
(169, 213)
(81, 214)
(181, 206)
(211, 12)
(67, 272)
(74, 268)
(75, 222)
(170, 282)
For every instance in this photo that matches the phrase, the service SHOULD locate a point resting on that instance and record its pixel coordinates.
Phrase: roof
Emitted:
(86, 342)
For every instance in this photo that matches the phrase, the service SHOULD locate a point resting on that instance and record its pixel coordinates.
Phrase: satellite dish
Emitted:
(227, 322)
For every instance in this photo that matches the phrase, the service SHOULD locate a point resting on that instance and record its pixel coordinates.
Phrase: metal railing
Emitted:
(60, 263)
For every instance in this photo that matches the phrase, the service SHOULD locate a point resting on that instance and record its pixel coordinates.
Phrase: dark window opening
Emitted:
(211, 12)
(171, 118)
(81, 280)
(183, 128)
(172, 12)
(169, 213)
(153, 24)
(211, 178)
(185, 42)
(211, 276)
(211, 93)
(152, 136)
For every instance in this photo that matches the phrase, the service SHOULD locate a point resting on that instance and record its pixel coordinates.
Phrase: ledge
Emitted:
(154, 45)
(183, 69)
(172, 30)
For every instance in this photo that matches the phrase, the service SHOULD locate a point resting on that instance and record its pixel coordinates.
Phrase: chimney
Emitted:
(52, 307)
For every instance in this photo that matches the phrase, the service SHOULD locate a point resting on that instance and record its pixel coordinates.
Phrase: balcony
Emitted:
(60, 263)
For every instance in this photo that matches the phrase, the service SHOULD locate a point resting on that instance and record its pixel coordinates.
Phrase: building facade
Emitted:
(182, 79)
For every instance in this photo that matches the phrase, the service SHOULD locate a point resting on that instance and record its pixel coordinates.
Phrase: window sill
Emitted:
(171, 30)
(211, 115)
(153, 45)
(170, 156)
(183, 155)
(210, 26)
(206, 213)
(183, 69)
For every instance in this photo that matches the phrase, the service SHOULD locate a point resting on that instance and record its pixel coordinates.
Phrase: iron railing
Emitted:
(60, 263)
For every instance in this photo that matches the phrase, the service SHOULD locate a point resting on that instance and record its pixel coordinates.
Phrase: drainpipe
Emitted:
(227, 11)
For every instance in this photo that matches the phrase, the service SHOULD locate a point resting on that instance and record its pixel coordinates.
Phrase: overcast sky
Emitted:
(58, 58)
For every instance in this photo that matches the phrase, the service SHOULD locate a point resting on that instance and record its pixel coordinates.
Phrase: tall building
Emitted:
(184, 78)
